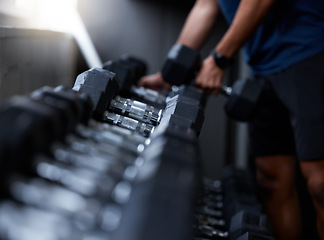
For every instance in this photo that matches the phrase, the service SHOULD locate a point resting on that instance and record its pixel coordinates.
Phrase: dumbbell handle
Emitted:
(226, 90)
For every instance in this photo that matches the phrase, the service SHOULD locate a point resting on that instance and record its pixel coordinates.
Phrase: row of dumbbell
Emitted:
(132, 114)
(91, 164)
(210, 220)
(33, 122)
(109, 91)
(84, 183)
(57, 170)
(161, 204)
(230, 209)
(81, 178)
(50, 114)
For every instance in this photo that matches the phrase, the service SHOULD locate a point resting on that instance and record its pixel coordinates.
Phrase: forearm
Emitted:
(249, 15)
(199, 24)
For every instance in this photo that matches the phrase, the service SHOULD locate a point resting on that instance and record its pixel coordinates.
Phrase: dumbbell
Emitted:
(240, 192)
(176, 126)
(80, 154)
(208, 232)
(109, 147)
(136, 110)
(186, 107)
(138, 66)
(78, 98)
(104, 185)
(23, 220)
(123, 140)
(20, 221)
(254, 236)
(217, 223)
(128, 123)
(26, 127)
(68, 103)
(212, 186)
(101, 85)
(72, 107)
(28, 137)
(97, 83)
(31, 124)
(69, 100)
(166, 148)
(75, 208)
(83, 181)
(160, 190)
(211, 195)
(122, 132)
(190, 91)
(103, 138)
(128, 70)
(104, 156)
(210, 211)
(181, 66)
(247, 221)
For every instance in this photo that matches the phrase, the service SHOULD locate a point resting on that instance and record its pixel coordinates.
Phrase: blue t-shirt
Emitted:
(292, 31)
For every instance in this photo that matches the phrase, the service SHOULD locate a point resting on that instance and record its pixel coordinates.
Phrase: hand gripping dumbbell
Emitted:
(181, 66)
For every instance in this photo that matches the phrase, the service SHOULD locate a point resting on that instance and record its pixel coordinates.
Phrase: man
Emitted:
(284, 46)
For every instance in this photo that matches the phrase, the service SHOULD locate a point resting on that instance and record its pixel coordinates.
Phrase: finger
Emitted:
(215, 92)
(167, 86)
(142, 81)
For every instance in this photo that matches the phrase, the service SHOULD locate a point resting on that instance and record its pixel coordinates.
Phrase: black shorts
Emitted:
(290, 119)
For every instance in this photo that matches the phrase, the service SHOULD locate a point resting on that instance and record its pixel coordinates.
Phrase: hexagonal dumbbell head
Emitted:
(125, 74)
(181, 65)
(243, 99)
(101, 85)
(137, 65)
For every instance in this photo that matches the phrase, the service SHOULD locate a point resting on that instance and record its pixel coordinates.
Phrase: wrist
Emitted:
(220, 60)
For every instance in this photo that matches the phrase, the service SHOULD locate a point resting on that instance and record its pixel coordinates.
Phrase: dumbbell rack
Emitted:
(72, 168)
(230, 208)
(67, 175)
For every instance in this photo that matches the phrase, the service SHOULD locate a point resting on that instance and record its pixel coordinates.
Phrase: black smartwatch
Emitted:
(220, 60)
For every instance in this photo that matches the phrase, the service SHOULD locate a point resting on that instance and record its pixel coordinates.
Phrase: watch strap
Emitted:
(220, 60)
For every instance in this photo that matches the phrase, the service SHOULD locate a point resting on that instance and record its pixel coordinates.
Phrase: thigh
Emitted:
(301, 90)
(270, 130)
(276, 172)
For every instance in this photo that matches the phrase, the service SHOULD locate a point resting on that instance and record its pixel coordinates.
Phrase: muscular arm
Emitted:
(194, 33)
(249, 15)
(199, 23)
(197, 28)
